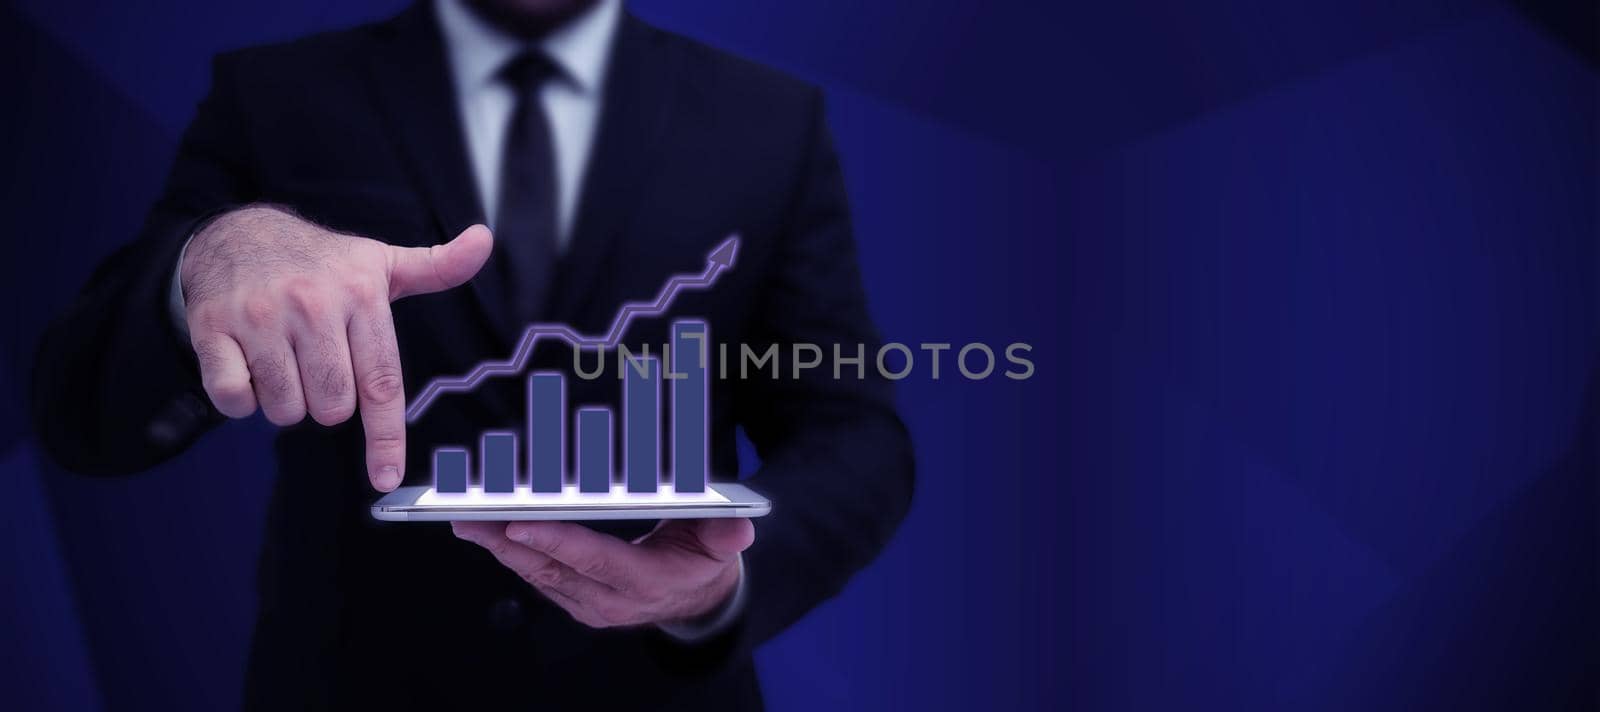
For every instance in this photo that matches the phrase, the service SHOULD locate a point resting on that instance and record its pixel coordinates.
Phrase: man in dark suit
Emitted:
(325, 178)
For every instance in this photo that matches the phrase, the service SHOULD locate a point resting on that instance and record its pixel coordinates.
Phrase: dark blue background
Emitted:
(1311, 292)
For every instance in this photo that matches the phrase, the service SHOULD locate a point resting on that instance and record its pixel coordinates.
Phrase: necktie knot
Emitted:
(528, 70)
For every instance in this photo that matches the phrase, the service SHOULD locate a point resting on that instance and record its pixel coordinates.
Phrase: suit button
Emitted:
(178, 420)
(164, 433)
(506, 615)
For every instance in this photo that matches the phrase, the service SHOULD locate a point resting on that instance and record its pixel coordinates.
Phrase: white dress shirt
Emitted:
(476, 51)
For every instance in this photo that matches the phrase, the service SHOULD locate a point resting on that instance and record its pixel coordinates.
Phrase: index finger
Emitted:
(601, 557)
(380, 393)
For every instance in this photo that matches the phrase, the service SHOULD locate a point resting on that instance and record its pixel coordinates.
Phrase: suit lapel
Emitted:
(414, 90)
(416, 95)
(638, 101)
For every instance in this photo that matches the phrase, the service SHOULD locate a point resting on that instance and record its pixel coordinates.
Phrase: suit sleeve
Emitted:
(116, 387)
(836, 459)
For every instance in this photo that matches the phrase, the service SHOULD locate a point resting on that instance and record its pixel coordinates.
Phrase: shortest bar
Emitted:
(497, 455)
(450, 470)
(594, 449)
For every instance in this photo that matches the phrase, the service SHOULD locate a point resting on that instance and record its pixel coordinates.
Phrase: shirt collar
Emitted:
(478, 49)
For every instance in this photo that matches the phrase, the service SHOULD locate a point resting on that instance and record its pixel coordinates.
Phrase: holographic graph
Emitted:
(545, 435)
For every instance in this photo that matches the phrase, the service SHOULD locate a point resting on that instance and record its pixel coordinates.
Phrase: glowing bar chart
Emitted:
(597, 433)
(505, 465)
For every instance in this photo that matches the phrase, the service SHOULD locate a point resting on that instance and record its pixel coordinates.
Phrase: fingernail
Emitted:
(388, 477)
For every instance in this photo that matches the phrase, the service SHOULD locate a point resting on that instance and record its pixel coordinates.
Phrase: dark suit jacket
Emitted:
(358, 130)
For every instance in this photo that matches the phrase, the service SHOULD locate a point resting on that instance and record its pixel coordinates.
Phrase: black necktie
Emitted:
(525, 221)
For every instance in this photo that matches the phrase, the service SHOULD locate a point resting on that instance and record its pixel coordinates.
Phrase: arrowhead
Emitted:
(724, 253)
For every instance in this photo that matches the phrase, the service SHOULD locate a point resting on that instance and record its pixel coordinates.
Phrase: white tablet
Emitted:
(424, 504)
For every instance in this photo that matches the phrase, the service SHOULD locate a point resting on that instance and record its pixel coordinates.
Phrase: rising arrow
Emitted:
(720, 259)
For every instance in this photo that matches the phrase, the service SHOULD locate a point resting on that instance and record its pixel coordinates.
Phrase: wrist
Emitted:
(177, 304)
(204, 231)
(725, 603)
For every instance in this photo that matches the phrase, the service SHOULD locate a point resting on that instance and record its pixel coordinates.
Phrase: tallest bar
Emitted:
(691, 393)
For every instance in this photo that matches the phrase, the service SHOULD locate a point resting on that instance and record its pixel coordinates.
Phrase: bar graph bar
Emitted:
(641, 429)
(497, 451)
(547, 434)
(450, 469)
(690, 396)
(594, 449)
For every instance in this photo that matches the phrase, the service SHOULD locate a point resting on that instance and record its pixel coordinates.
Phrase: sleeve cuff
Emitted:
(176, 309)
(714, 622)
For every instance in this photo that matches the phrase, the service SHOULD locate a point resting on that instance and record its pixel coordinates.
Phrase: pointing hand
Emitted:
(295, 317)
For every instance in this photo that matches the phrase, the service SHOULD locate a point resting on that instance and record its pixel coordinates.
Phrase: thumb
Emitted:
(424, 270)
(722, 538)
